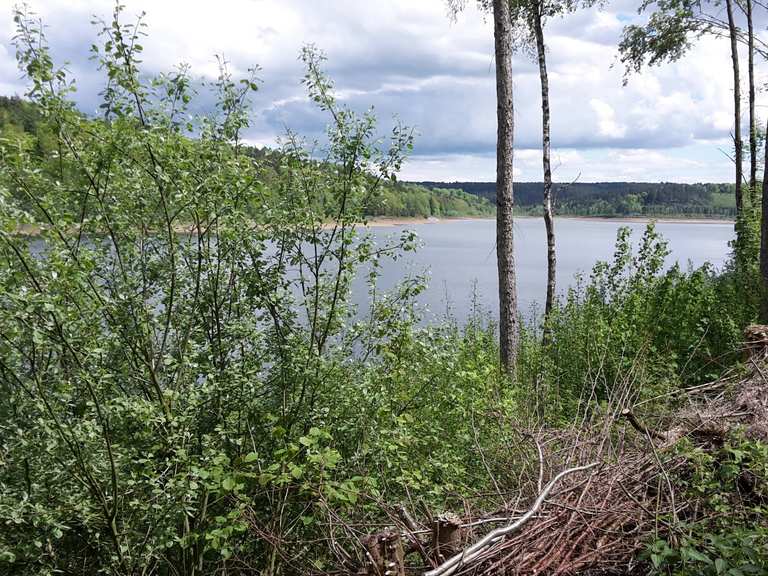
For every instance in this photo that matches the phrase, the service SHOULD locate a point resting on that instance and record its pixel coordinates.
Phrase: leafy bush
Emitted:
(186, 388)
(727, 533)
(637, 330)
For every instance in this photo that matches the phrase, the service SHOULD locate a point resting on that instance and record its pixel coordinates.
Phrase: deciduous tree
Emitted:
(669, 33)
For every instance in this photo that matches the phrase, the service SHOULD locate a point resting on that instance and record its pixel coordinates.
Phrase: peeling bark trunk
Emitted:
(752, 118)
(549, 221)
(385, 555)
(508, 336)
(764, 242)
(736, 105)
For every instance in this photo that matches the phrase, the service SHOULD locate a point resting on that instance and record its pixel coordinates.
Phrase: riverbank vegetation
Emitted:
(213, 402)
(21, 125)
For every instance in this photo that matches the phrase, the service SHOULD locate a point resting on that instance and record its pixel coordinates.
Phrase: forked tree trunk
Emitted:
(549, 221)
(502, 33)
(736, 104)
(764, 242)
(752, 118)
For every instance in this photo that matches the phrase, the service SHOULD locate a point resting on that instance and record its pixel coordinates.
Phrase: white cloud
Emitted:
(606, 119)
(409, 58)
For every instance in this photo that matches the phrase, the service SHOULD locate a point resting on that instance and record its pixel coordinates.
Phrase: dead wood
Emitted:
(447, 536)
(590, 518)
(384, 551)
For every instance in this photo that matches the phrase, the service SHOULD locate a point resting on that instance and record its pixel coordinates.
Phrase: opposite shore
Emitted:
(33, 230)
(384, 221)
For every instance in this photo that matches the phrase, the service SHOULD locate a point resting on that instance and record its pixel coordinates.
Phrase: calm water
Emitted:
(461, 253)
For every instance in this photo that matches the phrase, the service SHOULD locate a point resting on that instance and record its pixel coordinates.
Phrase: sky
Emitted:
(408, 59)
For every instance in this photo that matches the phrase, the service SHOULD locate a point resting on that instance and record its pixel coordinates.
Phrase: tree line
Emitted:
(613, 198)
(22, 124)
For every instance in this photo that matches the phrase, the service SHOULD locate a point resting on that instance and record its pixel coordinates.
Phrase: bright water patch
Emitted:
(461, 253)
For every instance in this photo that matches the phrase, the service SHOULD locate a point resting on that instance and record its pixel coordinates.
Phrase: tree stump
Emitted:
(384, 553)
(447, 536)
(756, 342)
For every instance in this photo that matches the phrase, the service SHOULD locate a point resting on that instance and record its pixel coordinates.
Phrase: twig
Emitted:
(637, 425)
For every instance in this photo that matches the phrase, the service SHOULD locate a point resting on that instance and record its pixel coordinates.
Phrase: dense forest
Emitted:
(614, 198)
(20, 121)
(189, 388)
(21, 125)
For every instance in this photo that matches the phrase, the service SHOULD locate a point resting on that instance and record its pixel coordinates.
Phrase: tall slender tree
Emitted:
(536, 12)
(737, 141)
(504, 38)
(668, 35)
(752, 117)
(531, 15)
(505, 200)
(764, 243)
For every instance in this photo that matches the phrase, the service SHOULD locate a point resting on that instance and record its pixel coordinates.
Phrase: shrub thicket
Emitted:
(186, 387)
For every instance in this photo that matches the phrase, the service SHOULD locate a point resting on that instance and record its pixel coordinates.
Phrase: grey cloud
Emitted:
(436, 76)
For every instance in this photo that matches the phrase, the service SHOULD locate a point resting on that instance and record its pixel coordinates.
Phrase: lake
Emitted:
(459, 254)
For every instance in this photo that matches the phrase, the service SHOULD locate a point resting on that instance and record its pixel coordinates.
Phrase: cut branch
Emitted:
(469, 554)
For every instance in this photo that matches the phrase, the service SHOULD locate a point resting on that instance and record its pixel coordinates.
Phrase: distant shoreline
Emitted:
(32, 230)
(387, 222)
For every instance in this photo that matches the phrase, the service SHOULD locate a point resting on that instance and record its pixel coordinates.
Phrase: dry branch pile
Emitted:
(602, 491)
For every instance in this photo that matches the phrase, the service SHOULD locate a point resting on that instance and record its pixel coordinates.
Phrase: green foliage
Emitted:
(182, 372)
(636, 328)
(612, 199)
(417, 201)
(727, 533)
(667, 35)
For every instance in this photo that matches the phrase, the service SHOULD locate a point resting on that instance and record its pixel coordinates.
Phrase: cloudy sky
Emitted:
(407, 58)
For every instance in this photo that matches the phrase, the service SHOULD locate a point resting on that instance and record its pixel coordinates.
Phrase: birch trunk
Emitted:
(752, 118)
(736, 104)
(764, 242)
(549, 221)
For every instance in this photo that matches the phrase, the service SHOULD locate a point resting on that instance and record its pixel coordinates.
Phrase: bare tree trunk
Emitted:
(508, 333)
(549, 221)
(752, 119)
(764, 242)
(736, 104)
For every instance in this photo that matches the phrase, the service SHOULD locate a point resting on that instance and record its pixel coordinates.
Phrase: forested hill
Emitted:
(21, 123)
(614, 198)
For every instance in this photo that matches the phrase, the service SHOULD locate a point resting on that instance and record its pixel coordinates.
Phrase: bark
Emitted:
(508, 330)
(385, 555)
(764, 242)
(447, 536)
(752, 118)
(733, 33)
(549, 221)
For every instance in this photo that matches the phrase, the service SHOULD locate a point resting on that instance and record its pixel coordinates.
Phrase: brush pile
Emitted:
(602, 492)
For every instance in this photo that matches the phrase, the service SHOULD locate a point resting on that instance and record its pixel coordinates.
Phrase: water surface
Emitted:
(460, 254)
